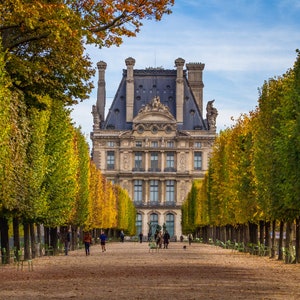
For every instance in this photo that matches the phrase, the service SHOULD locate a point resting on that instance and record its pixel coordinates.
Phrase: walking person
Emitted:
(103, 239)
(87, 240)
(190, 238)
(67, 241)
(166, 239)
(141, 237)
(122, 235)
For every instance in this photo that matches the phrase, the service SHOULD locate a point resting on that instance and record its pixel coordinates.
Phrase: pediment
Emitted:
(154, 112)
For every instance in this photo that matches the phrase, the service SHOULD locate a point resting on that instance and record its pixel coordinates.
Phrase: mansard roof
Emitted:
(148, 84)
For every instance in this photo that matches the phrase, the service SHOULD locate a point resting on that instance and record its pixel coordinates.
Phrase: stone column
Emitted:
(129, 89)
(101, 93)
(179, 63)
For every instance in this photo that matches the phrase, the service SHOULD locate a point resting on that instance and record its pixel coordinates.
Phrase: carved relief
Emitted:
(182, 162)
(182, 191)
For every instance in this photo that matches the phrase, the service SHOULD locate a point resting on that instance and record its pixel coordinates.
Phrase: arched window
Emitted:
(138, 223)
(170, 224)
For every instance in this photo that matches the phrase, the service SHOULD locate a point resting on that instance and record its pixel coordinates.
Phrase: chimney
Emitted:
(195, 81)
(129, 89)
(101, 93)
(179, 63)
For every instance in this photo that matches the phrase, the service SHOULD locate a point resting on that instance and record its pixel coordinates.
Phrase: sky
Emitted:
(242, 44)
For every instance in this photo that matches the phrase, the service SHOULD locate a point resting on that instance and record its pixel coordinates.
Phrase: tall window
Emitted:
(138, 223)
(138, 160)
(197, 145)
(170, 191)
(154, 144)
(110, 160)
(197, 160)
(170, 224)
(153, 191)
(154, 161)
(170, 160)
(170, 144)
(138, 191)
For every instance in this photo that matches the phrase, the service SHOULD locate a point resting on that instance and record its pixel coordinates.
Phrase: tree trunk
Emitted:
(297, 240)
(253, 231)
(16, 225)
(4, 240)
(53, 238)
(47, 236)
(273, 239)
(74, 239)
(288, 232)
(267, 234)
(280, 242)
(262, 232)
(39, 239)
(26, 240)
(32, 240)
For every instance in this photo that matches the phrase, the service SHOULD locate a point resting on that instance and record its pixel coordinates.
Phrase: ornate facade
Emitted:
(154, 141)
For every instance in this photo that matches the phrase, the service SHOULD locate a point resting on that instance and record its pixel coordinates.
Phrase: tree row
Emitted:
(251, 192)
(47, 177)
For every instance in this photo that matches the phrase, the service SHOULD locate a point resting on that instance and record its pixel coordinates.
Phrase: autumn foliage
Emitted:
(46, 175)
(253, 177)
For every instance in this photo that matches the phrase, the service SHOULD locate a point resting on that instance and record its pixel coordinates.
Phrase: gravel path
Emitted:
(129, 271)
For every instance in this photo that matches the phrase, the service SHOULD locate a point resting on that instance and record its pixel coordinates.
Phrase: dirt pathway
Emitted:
(129, 271)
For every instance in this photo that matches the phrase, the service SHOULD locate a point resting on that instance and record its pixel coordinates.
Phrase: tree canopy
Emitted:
(44, 41)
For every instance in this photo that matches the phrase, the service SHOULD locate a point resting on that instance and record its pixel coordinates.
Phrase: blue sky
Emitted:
(242, 43)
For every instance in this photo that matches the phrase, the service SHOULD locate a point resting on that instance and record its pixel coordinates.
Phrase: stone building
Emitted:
(154, 140)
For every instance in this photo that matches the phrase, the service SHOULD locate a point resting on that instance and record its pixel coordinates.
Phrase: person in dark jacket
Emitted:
(103, 239)
(166, 239)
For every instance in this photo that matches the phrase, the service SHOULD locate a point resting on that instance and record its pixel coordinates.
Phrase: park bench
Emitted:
(153, 246)
(239, 247)
(21, 261)
(289, 254)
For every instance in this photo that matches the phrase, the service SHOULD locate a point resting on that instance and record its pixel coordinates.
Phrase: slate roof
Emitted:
(149, 83)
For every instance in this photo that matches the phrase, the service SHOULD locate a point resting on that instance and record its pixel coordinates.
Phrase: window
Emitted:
(138, 161)
(154, 129)
(154, 161)
(197, 145)
(153, 191)
(110, 144)
(154, 144)
(140, 129)
(138, 191)
(168, 129)
(170, 144)
(138, 143)
(110, 160)
(197, 160)
(138, 223)
(170, 160)
(170, 191)
(170, 224)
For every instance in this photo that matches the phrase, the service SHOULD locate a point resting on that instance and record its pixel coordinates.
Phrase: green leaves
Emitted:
(254, 168)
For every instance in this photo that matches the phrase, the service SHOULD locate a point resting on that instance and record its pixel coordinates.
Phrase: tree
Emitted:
(80, 207)
(60, 180)
(44, 40)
